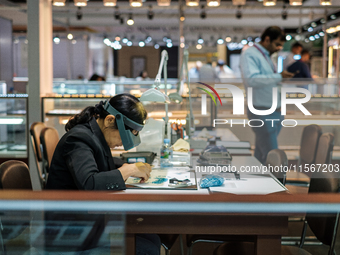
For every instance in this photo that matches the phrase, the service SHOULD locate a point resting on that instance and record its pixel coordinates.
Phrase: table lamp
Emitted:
(154, 94)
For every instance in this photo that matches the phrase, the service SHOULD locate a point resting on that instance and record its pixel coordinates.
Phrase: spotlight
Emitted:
(79, 14)
(130, 21)
(238, 12)
(141, 44)
(56, 39)
(156, 46)
(200, 40)
(284, 13)
(70, 36)
(228, 39)
(220, 41)
(288, 37)
(203, 14)
(182, 17)
(116, 13)
(150, 12)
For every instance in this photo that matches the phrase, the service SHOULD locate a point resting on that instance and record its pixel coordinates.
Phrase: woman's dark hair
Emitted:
(274, 33)
(126, 104)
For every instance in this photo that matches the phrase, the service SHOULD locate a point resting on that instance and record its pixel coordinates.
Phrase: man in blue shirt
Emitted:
(259, 72)
(300, 67)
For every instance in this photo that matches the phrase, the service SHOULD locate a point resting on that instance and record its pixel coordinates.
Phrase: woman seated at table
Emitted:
(82, 159)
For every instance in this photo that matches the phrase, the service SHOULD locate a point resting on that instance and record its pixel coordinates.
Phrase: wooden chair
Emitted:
(14, 174)
(35, 131)
(49, 139)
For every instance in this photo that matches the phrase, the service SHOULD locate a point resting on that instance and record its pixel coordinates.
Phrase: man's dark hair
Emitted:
(296, 45)
(274, 33)
(305, 52)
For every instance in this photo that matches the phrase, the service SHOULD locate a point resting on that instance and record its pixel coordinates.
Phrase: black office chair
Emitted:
(278, 158)
(307, 153)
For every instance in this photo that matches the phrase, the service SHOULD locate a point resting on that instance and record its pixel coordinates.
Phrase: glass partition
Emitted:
(13, 126)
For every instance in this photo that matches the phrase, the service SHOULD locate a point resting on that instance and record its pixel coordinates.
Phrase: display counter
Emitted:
(13, 127)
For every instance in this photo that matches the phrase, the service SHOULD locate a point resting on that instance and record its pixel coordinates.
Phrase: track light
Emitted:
(150, 12)
(213, 3)
(238, 12)
(136, 3)
(203, 14)
(59, 2)
(163, 2)
(80, 2)
(56, 39)
(79, 14)
(192, 2)
(284, 13)
(116, 13)
(326, 2)
(130, 21)
(109, 2)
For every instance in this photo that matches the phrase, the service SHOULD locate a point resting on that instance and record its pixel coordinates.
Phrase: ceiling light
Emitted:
(109, 2)
(79, 14)
(220, 41)
(317, 36)
(59, 2)
(136, 3)
(156, 46)
(239, 2)
(288, 37)
(74, 41)
(326, 2)
(295, 2)
(169, 45)
(203, 14)
(56, 39)
(244, 41)
(141, 44)
(130, 21)
(192, 2)
(129, 43)
(257, 39)
(333, 16)
(269, 2)
(213, 3)
(251, 43)
(238, 12)
(182, 17)
(199, 46)
(182, 45)
(322, 33)
(200, 40)
(117, 38)
(228, 39)
(150, 12)
(70, 36)
(163, 2)
(80, 2)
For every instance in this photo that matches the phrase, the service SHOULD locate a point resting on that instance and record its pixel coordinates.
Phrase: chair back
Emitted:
(325, 149)
(14, 174)
(49, 139)
(309, 143)
(277, 158)
(35, 131)
(324, 181)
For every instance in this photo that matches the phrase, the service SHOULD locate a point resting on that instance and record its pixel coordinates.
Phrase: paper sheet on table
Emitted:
(160, 178)
(251, 186)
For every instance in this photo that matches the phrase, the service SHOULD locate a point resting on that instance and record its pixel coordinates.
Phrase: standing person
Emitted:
(207, 73)
(258, 71)
(82, 159)
(300, 67)
(296, 49)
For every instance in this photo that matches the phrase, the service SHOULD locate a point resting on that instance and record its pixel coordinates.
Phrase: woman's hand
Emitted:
(139, 169)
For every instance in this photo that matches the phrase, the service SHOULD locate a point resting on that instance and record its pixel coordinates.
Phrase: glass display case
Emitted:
(13, 126)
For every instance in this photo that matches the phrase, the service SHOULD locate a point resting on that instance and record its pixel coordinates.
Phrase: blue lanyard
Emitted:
(264, 55)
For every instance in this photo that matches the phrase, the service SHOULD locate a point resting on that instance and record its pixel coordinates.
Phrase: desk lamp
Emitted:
(190, 120)
(154, 94)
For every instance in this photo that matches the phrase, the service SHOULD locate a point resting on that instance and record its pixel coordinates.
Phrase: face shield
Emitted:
(128, 138)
